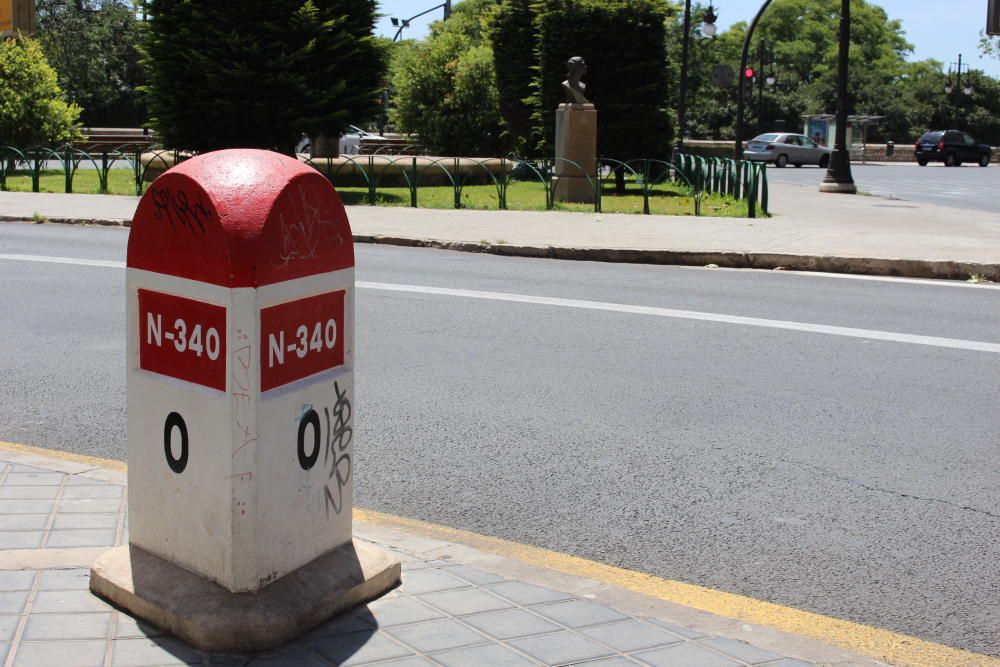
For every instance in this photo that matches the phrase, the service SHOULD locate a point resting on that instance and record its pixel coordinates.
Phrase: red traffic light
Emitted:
(748, 73)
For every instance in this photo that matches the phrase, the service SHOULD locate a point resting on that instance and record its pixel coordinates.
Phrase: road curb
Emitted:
(871, 266)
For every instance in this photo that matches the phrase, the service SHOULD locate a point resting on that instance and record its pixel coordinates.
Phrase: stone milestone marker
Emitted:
(576, 139)
(240, 368)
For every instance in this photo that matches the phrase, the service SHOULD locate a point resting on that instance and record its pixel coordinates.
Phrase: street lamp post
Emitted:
(838, 177)
(707, 28)
(738, 149)
(405, 23)
(958, 89)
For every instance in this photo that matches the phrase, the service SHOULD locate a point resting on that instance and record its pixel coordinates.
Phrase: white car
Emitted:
(784, 148)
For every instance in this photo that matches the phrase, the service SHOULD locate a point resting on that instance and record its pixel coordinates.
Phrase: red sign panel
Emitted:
(301, 338)
(182, 338)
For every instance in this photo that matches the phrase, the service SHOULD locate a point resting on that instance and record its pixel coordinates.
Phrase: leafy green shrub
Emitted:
(32, 108)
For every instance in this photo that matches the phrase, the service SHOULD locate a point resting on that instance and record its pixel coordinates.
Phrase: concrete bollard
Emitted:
(240, 363)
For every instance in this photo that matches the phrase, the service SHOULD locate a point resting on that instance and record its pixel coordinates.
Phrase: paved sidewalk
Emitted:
(456, 606)
(809, 231)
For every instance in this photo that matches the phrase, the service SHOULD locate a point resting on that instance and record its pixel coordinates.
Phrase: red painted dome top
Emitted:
(241, 218)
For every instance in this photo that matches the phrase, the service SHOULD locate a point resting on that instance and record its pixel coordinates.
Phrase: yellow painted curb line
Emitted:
(118, 466)
(891, 647)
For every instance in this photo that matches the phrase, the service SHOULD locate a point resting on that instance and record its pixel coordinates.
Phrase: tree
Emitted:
(803, 36)
(260, 73)
(445, 87)
(512, 32)
(93, 46)
(623, 44)
(32, 108)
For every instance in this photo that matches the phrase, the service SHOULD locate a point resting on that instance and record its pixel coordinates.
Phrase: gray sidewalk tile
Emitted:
(63, 602)
(430, 581)
(684, 655)
(8, 627)
(12, 602)
(579, 613)
(292, 657)
(20, 539)
(465, 601)
(67, 626)
(20, 467)
(17, 580)
(687, 633)
(399, 610)
(560, 647)
(77, 480)
(70, 521)
(493, 655)
(359, 647)
(60, 654)
(28, 507)
(739, 650)
(22, 521)
(437, 635)
(33, 479)
(130, 628)
(789, 662)
(526, 594)
(90, 505)
(4, 650)
(616, 661)
(159, 651)
(81, 538)
(475, 576)
(510, 623)
(94, 491)
(77, 579)
(414, 661)
(28, 492)
(357, 621)
(631, 635)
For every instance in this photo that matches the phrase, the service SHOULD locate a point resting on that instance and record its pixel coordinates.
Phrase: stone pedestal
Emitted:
(576, 153)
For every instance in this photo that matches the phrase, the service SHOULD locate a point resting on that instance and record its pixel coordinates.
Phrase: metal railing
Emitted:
(733, 179)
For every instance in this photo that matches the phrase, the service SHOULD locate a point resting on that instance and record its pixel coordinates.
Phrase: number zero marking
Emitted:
(309, 461)
(178, 464)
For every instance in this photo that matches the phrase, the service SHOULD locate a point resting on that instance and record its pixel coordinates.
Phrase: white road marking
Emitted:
(805, 327)
(869, 334)
(65, 260)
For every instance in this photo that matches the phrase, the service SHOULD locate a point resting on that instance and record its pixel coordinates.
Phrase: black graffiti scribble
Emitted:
(175, 207)
(339, 438)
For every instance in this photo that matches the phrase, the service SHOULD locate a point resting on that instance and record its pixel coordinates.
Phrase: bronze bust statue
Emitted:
(573, 87)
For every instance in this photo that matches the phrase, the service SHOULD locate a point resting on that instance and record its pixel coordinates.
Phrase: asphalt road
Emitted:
(849, 474)
(969, 186)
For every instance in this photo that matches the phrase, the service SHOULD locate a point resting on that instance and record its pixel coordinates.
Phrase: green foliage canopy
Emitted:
(93, 46)
(32, 108)
(259, 73)
(445, 87)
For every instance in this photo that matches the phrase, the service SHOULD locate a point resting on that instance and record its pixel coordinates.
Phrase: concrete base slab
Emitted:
(212, 618)
(841, 188)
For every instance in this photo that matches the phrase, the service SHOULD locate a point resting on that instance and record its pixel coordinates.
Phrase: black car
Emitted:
(951, 147)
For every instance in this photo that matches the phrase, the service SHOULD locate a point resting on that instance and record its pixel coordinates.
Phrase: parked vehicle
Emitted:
(783, 148)
(951, 147)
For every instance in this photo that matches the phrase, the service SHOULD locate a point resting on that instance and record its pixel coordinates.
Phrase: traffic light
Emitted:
(748, 73)
(993, 18)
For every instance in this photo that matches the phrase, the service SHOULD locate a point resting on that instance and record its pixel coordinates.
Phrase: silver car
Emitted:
(783, 148)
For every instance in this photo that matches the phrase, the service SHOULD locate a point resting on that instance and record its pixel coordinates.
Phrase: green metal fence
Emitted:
(734, 179)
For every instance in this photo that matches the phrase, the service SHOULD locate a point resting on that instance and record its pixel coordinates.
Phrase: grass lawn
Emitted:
(120, 181)
(666, 199)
